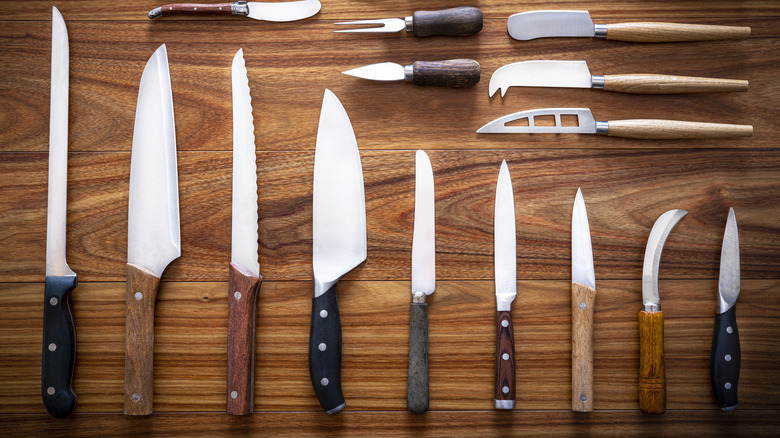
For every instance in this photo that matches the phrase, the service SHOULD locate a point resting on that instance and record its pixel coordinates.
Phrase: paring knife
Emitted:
(59, 334)
(153, 239)
(583, 298)
(581, 121)
(244, 273)
(465, 20)
(541, 24)
(505, 265)
(725, 358)
(276, 11)
(451, 73)
(423, 283)
(652, 371)
(339, 243)
(575, 74)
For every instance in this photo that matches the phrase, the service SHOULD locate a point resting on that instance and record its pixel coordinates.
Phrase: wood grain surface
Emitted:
(627, 184)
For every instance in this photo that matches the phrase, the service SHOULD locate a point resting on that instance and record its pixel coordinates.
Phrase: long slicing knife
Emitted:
(725, 358)
(505, 264)
(652, 371)
(153, 239)
(275, 11)
(339, 243)
(244, 277)
(59, 334)
(583, 297)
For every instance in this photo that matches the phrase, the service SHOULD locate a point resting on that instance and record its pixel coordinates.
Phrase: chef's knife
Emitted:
(153, 239)
(339, 243)
(59, 334)
(505, 265)
(451, 73)
(725, 358)
(464, 20)
(276, 11)
(244, 272)
(581, 121)
(652, 371)
(583, 297)
(575, 74)
(541, 24)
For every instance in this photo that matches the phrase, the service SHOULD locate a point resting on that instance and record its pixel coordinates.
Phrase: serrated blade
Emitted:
(424, 238)
(540, 24)
(283, 11)
(505, 241)
(383, 71)
(566, 74)
(728, 282)
(655, 245)
(582, 270)
(586, 124)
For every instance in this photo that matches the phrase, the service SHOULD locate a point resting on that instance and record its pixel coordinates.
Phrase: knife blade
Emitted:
(339, 243)
(575, 74)
(541, 24)
(725, 358)
(505, 265)
(153, 239)
(423, 283)
(59, 333)
(450, 73)
(244, 272)
(583, 298)
(275, 11)
(652, 370)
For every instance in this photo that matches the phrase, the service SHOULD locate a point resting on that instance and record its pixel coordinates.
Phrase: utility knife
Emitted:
(583, 298)
(265, 11)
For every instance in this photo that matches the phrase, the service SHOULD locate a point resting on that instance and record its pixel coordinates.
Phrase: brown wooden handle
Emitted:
(451, 73)
(242, 299)
(673, 129)
(464, 20)
(652, 372)
(669, 32)
(666, 84)
(582, 300)
(504, 394)
(191, 8)
(139, 340)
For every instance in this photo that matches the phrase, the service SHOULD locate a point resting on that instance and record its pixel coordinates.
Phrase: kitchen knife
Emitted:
(276, 11)
(423, 283)
(59, 334)
(583, 297)
(725, 358)
(581, 121)
(465, 20)
(575, 74)
(244, 272)
(153, 239)
(339, 243)
(652, 371)
(541, 24)
(505, 265)
(451, 73)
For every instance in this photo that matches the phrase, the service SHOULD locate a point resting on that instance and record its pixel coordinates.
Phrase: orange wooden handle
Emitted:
(668, 32)
(652, 372)
(242, 299)
(582, 301)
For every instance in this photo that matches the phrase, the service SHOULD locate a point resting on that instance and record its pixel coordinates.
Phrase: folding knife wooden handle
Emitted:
(192, 8)
(504, 394)
(59, 347)
(242, 299)
(465, 20)
(325, 351)
(652, 371)
(582, 301)
(417, 395)
(652, 32)
(139, 340)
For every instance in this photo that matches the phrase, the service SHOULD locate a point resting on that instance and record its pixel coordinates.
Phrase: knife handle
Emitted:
(139, 340)
(417, 381)
(504, 395)
(451, 73)
(650, 32)
(673, 129)
(465, 20)
(652, 371)
(59, 347)
(242, 311)
(667, 84)
(195, 8)
(582, 301)
(325, 351)
(725, 359)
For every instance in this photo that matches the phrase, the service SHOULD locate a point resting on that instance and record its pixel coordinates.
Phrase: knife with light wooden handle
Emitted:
(583, 297)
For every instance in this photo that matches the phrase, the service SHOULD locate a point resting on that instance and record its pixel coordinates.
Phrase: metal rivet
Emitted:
(583, 305)
(50, 390)
(505, 356)
(728, 358)
(729, 330)
(136, 396)
(322, 346)
(52, 346)
(324, 381)
(504, 323)
(237, 295)
(138, 295)
(194, 9)
(220, 8)
(583, 397)
(505, 390)
(233, 394)
(727, 385)
(323, 313)
(53, 301)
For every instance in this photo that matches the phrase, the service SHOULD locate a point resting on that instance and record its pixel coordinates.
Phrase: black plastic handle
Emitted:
(325, 351)
(59, 347)
(465, 20)
(725, 359)
(417, 381)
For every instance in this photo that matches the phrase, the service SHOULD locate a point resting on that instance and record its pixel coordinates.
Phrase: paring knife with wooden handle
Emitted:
(464, 20)
(583, 298)
(457, 73)
(275, 11)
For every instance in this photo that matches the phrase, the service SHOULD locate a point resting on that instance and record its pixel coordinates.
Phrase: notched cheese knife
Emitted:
(276, 11)
(451, 73)
(465, 20)
(583, 298)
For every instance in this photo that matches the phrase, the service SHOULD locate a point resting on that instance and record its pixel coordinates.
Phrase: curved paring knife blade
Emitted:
(276, 11)
(451, 72)
(583, 298)
(505, 264)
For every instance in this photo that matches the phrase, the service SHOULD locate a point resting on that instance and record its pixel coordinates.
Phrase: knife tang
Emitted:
(199, 9)
(582, 300)
(670, 32)
(652, 371)
(417, 383)
(725, 359)
(504, 395)
(325, 351)
(242, 299)
(59, 346)
(674, 129)
(665, 84)
(450, 73)
(465, 20)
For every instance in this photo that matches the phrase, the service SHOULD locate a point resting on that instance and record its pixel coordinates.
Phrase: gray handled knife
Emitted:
(583, 298)
(451, 73)
(265, 11)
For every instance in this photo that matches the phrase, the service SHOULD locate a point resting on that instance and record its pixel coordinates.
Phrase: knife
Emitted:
(276, 11)
(581, 121)
(575, 74)
(464, 20)
(652, 372)
(541, 24)
(423, 283)
(725, 358)
(244, 272)
(451, 73)
(59, 334)
(339, 243)
(153, 239)
(505, 264)
(583, 297)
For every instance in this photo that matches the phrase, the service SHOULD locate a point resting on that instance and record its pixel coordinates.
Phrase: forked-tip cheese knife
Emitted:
(244, 272)
(725, 358)
(583, 298)
(652, 370)
(276, 11)
(451, 73)
(59, 333)
(153, 239)
(339, 243)
(464, 20)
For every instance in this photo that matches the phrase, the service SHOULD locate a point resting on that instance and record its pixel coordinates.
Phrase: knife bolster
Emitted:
(652, 371)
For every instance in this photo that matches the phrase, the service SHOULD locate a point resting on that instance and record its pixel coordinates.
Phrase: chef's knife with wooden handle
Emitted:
(464, 20)
(265, 11)
(451, 73)
(583, 297)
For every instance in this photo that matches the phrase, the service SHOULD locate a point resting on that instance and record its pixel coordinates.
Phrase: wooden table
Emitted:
(627, 184)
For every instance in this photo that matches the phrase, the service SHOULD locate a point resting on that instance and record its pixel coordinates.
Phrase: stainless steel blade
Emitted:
(582, 271)
(539, 24)
(283, 11)
(728, 282)
(655, 245)
(153, 239)
(568, 74)
(424, 238)
(386, 25)
(339, 206)
(383, 71)
(585, 122)
(505, 241)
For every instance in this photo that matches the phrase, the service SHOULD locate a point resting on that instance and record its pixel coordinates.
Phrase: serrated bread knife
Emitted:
(583, 298)
(450, 73)
(265, 11)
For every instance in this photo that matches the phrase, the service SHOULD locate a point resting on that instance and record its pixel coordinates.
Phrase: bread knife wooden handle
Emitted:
(242, 305)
